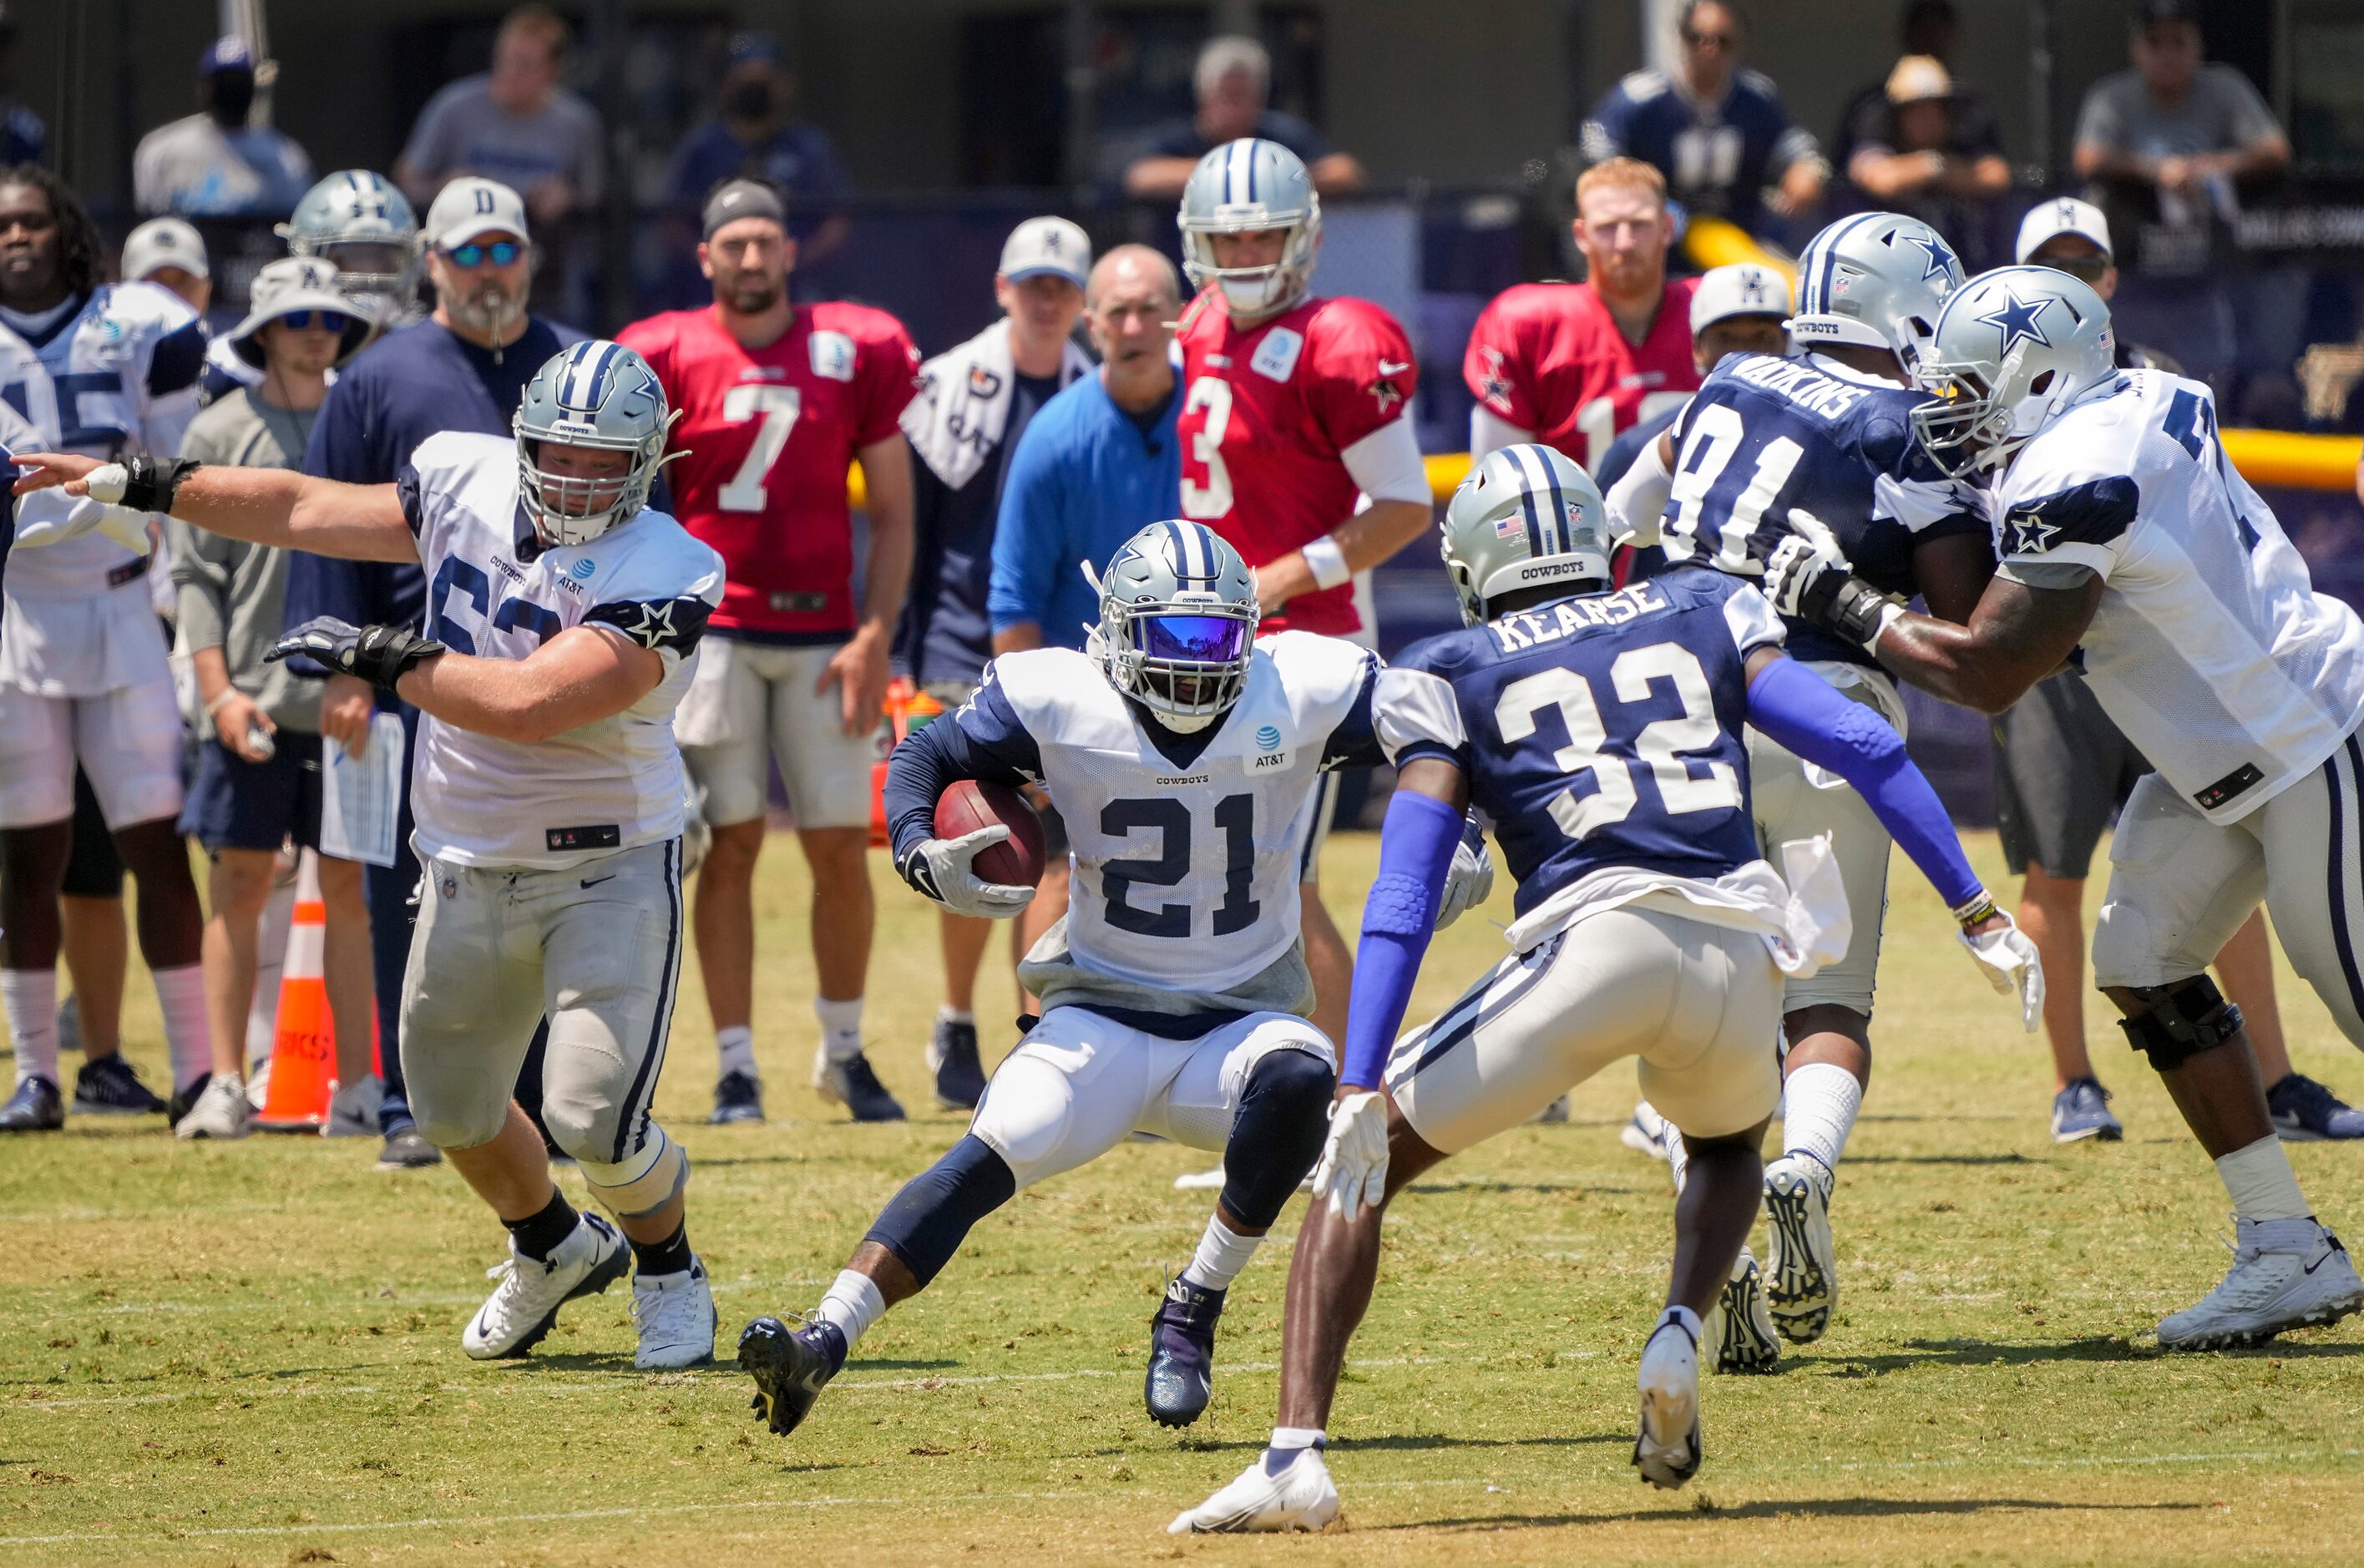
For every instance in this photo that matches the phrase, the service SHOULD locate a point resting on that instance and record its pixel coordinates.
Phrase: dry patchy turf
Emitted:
(250, 1352)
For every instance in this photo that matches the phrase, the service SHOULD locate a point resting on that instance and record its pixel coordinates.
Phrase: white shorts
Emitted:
(1793, 801)
(2180, 886)
(1081, 1082)
(750, 704)
(128, 741)
(1700, 1005)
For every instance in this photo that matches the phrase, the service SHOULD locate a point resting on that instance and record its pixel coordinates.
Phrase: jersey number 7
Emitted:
(1659, 744)
(778, 407)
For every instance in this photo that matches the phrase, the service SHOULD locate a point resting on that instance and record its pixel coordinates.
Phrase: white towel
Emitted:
(1805, 920)
(963, 403)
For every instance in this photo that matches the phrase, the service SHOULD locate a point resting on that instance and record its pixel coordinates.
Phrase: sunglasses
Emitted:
(316, 320)
(2086, 269)
(500, 253)
(1709, 40)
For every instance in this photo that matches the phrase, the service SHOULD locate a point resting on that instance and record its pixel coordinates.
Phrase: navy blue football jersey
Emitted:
(1716, 157)
(1597, 731)
(1771, 447)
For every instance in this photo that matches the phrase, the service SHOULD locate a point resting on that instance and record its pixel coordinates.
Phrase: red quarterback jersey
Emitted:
(1548, 358)
(766, 438)
(1266, 413)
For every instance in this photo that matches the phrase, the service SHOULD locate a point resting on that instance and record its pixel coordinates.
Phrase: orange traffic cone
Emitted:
(303, 1051)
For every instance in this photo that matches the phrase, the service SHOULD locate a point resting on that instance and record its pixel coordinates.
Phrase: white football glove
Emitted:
(2010, 963)
(40, 526)
(1796, 565)
(940, 868)
(1353, 1169)
(1469, 883)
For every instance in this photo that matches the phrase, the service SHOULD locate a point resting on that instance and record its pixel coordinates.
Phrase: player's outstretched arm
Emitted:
(261, 505)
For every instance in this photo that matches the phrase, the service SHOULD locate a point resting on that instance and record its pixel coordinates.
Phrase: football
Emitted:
(972, 803)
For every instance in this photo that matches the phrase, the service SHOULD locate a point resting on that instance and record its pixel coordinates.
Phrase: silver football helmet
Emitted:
(1878, 279)
(358, 222)
(1245, 188)
(1178, 623)
(598, 394)
(1524, 517)
(2011, 349)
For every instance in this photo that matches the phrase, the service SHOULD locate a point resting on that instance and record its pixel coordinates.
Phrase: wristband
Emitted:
(1327, 562)
(1860, 612)
(147, 486)
(214, 705)
(1972, 910)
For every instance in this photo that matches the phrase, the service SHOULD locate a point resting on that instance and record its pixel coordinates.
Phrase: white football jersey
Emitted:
(492, 592)
(1186, 858)
(2210, 648)
(116, 378)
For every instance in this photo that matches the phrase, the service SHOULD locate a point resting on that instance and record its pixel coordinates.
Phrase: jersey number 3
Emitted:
(1661, 744)
(778, 407)
(1206, 416)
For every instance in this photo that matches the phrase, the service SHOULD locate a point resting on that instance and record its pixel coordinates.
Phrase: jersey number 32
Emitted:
(1660, 745)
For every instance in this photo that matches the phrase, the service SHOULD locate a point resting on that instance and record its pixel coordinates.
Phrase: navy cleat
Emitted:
(738, 1097)
(109, 1086)
(2307, 1112)
(2081, 1110)
(1182, 1353)
(790, 1367)
(185, 1100)
(35, 1107)
(960, 1074)
(851, 1084)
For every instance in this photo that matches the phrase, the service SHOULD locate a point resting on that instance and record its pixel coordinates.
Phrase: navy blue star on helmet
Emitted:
(2018, 318)
(1941, 260)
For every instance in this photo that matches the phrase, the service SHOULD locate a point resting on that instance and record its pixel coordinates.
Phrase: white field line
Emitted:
(482, 1521)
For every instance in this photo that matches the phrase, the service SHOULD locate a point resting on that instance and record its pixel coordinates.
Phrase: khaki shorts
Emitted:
(595, 947)
(750, 704)
(128, 741)
(2180, 886)
(1698, 1005)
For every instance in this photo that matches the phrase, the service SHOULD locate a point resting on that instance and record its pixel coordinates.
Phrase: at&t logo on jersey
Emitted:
(1267, 737)
(1275, 357)
(832, 356)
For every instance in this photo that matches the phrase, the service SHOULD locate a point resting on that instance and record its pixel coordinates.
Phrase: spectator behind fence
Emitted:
(1719, 134)
(976, 403)
(1929, 27)
(1233, 82)
(215, 165)
(2073, 237)
(171, 254)
(257, 779)
(1919, 162)
(464, 368)
(755, 134)
(514, 124)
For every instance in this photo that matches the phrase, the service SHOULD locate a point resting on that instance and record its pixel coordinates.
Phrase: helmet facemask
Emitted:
(1184, 654)
(1258, 291)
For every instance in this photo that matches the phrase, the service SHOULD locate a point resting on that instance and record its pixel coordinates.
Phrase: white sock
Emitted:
(1678, 1157)
(853, 1304)
(841, 1027)
(1222, 1254)
(734, 1051)
(2262, 1183)
(1818, 1110)
(955, 1014)
(181, 992)
(1299, 1437)
(31, 995)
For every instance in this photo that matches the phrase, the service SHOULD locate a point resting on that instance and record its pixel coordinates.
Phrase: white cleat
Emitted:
(1667, 1451)
(1801, 1262)
(674, 1317)
(525, 1304)
(1738, 1328)
(2286, 1273)
(1647, 1132)
(221, 1110)
(1302, 1497)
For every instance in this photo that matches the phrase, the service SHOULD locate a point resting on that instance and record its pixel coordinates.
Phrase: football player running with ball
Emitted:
(549, 806)
(1186, 756)
(1599, 731)
(2127, 538)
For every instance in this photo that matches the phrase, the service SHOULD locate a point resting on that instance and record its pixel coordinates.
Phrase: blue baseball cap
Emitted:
(224, 55)
(755, 45)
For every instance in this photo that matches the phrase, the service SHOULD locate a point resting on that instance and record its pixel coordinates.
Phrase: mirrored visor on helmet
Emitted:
(1193, 639)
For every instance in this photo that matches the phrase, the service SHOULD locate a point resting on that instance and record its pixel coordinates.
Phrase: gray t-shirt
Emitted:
(196, 168)
(231, 595)
(2220, 112)
(462, 131)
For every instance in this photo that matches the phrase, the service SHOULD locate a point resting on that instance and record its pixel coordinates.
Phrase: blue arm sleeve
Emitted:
(1416, 846)
(1798, 710)
(992, 745)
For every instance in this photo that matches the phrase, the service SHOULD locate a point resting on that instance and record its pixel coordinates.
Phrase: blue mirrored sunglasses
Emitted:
(1194, 639)
(322, 320)
(500, 253)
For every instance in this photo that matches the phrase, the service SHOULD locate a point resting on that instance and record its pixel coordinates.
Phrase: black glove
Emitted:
(378, 654)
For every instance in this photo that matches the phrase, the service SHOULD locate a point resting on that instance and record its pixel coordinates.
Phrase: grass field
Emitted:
(249, 1352)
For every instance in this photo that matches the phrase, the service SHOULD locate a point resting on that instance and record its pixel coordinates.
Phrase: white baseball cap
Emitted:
(163, 242)
(1744, 288)
(1043, 247)
(470, 207)
(291, 286)
(2050, 219)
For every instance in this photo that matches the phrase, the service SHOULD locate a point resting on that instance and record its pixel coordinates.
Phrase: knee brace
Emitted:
(2179, 1020)
(641, 1183)
(1276, 1135)
(925, 1223)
